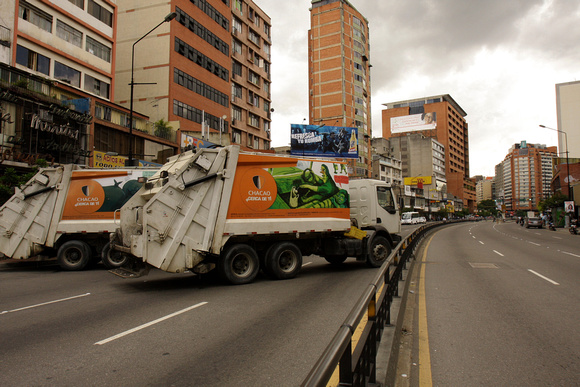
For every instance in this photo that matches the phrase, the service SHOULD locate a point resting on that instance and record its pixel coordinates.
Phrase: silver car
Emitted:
(533, 222)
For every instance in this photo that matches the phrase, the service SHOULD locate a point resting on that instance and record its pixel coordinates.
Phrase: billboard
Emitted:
(268, 187)
(414, 122)
(417, 180)
(324, 141)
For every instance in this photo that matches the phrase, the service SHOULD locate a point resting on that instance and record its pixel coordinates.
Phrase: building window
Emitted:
(35, 16)
(198, 58)
(32, 60)
(68, 33)
(236, 136)
(198, 29)
(98, 49)
(95, 86)
(193, 84)
(236, 113)
(236, 25)
(100, 13)
(67, 74)
(237, 47)
(254, 120)
(237, 68)
(78, 3)
(253, 37)
(254, 78)
(236, 90)
(253, 98)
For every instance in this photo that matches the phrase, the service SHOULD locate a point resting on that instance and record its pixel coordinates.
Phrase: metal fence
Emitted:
(357, 367)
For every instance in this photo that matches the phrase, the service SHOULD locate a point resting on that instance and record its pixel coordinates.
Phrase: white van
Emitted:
(412, 218)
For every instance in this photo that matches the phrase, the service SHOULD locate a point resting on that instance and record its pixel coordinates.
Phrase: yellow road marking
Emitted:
(425, 379)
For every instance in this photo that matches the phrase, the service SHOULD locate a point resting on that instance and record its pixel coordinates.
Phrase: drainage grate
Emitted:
(476, 265)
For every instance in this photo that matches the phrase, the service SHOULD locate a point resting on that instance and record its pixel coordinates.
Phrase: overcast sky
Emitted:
(499, 60)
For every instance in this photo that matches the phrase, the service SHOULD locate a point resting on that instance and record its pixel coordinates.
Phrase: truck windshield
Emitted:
(385, 198)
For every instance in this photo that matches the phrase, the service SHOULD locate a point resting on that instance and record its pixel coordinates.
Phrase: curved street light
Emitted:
(168, 18)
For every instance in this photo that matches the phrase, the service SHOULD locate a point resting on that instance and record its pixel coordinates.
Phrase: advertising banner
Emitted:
(324, 141)
(189, 142)
(97, 194)
(104, 160)
(273, 187)
(414, 122)
(417, 180)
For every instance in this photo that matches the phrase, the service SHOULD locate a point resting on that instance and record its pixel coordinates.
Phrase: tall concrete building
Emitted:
(442, 119)
(386, 164)
(526, 173)
(207, 72)
(567, 103)
(423, 169)
(339, 74)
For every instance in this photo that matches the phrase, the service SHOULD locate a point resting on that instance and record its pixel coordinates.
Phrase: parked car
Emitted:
(533, 222)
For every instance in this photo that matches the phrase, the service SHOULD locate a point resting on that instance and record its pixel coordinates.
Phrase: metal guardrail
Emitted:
(358, 367)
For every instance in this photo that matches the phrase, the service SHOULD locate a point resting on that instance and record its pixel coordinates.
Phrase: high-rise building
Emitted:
(339, 74)
(527, 174)
(441, 118)
(207, 72)
(567, 102)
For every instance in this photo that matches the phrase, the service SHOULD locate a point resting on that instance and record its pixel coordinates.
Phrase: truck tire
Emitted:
(239, 264)
(379, 251)
(73, 255)
(113, 259)
(283, 260)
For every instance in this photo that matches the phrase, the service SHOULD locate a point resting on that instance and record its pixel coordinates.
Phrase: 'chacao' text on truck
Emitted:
(68, 211)
(239, 212)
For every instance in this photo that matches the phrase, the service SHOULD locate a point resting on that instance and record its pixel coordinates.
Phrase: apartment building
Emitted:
(207, 72)
(423, 170)
(386, 164)
(527, 174)
(441, 118)
(57, 87)
(339, 74)
(567, 102)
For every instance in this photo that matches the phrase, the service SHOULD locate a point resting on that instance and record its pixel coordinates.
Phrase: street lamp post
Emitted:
(567, 161)
(168, 18)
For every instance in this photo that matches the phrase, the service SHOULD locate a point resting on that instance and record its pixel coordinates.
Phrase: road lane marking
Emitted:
(481, 242)
(306, 264)
(574, 255)
(45, 303)
(128, 332)
(542, 277)
(498, 253)
(533, 243)
(425, 377)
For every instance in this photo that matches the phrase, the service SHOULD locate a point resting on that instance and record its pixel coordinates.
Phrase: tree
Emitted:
(11, 179)
(555, 201)
(162, 129)
(487, 207)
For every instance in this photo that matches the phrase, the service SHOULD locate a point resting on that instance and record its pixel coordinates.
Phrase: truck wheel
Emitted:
(73, 255)
(379, 251)
(239, 264)
(113, 259)
(283, 260)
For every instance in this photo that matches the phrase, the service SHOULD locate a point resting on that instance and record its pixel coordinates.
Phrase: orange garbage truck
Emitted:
(239, 212)
(68, 212)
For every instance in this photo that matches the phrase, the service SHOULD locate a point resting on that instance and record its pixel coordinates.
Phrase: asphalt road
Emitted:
(494, 305)
(93, 328)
